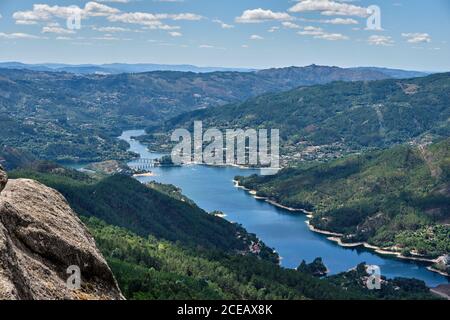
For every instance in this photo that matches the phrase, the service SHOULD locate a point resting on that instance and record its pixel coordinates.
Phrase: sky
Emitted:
(407, 34)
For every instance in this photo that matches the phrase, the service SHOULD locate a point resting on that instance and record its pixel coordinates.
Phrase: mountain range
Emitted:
(70, 117)
(327, 121)
(116, 68)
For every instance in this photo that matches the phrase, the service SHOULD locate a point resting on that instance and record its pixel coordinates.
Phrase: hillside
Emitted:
(396, 199)
(154, 269)
(204, 260)
(69, 117)
(123, 201)
(327, 121)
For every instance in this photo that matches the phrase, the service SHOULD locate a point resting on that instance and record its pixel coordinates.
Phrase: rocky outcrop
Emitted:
(3, 178)
(40, 238)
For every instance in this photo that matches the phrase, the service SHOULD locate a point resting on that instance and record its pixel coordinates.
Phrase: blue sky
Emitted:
(414, 34)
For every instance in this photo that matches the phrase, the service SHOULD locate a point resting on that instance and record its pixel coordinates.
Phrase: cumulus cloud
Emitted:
(332, 36)
(260, 15)
(417, 37)
(56, 29)
(329, 8)
(340, 21)
(256, 37)
(153, 21)
(377, 40)
(223, 24)
(175, 34)
(319, 33)
(45, 13)
(290, 25)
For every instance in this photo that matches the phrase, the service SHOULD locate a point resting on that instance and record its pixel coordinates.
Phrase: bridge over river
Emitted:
(143, 164)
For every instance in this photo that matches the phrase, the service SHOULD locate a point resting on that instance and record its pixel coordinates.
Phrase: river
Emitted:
(212, 189)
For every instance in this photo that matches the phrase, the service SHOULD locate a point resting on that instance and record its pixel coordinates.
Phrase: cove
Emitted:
(212, 188)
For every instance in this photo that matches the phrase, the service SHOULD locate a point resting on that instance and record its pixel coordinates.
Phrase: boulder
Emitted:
(41, 238)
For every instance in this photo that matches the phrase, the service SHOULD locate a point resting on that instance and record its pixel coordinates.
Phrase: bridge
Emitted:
(143, 164)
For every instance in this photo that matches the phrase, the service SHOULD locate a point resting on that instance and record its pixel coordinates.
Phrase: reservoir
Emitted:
(212, 188)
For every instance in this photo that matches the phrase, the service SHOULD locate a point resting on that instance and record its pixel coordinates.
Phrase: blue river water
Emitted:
(212, 188)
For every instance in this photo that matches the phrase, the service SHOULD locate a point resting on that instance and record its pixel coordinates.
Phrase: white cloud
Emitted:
(376, 40)
(56, 29)
(223, 24)
(340, 21)
(44, 12)
(319, 33)
(175, 34)
(311, 31)
(153, 21)
(260, 15)
(273, 29)
(18, 35)
(329, 8)
(111, 29)
(417, 37)
(290, 25)
(332, 36)
(256, 37)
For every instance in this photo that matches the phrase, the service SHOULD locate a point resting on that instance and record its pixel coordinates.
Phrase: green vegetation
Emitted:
(68, 117)
(123, 201)
(328, 121)
(316, 268)
(398, 198)
(161, 247)
(147, 268)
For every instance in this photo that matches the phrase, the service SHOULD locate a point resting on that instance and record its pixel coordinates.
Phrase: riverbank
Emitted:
(337, 237)
(145, 174)
(253, 193)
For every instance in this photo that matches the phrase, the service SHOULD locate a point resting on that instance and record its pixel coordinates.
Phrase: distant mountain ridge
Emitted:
(117, 68)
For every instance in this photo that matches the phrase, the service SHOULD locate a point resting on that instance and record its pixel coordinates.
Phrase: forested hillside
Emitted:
(161, 247)
(69, 117)
(125, 202)
(330, 120)
(397, 199)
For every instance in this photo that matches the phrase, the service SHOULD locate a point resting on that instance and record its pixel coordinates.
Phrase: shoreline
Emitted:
(253, 194)
(337, 237)
(146, 174)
